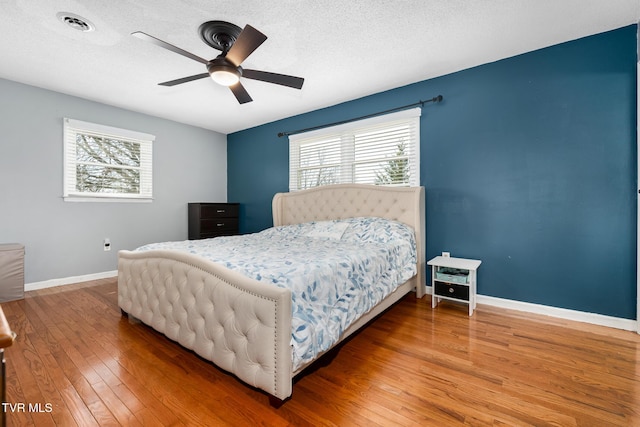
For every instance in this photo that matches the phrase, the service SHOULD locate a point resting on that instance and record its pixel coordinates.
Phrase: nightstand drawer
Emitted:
(222, 210)
(229, 225)
(452, 290)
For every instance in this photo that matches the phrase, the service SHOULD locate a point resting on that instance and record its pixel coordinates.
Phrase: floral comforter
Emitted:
(336, 270)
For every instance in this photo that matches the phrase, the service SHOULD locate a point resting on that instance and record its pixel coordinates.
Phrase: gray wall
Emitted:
(64, 239)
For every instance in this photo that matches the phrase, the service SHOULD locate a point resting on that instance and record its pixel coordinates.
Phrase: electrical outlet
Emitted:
(446, 254)
(107, 244)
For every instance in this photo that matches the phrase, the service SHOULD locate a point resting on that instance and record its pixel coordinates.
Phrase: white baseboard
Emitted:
(561, 313)
(69, 280)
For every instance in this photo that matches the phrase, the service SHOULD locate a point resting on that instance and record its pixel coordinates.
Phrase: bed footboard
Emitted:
(240, 324)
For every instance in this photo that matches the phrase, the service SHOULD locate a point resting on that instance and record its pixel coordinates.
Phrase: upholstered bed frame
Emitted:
(238, 323)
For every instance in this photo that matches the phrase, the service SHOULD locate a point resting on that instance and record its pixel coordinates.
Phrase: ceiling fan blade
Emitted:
(158, 42)
(184, 80)
(240, 93)
(279, 79)
(248, 41)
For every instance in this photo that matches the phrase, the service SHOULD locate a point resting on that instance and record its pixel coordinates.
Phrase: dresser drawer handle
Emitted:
(220, 224)
(451, 290)
(220, 211)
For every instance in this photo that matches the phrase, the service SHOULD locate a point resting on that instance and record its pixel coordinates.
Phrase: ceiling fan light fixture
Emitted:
(223, 72)
(225, 77)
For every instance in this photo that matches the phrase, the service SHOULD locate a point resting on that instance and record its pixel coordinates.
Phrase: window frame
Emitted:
(71, 128)
(347, 133)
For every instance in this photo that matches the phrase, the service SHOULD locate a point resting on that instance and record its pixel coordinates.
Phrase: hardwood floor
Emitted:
(77, 361)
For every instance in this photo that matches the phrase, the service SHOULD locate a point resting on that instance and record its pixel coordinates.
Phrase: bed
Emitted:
(243, 325)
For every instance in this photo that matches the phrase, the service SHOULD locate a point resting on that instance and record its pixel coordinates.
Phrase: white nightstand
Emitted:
(454, 279)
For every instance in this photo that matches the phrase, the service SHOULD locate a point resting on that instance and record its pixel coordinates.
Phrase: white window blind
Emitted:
(104, 163)
(383, 150)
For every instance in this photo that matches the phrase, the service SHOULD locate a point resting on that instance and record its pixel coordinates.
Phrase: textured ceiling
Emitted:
(343, 49)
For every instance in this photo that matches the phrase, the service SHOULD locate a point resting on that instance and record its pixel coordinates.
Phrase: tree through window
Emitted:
(384, 150)
(106, 162)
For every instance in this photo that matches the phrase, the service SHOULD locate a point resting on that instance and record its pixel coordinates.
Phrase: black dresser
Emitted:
(208, 220)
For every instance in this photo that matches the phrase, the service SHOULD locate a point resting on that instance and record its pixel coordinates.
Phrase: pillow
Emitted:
(328, 230)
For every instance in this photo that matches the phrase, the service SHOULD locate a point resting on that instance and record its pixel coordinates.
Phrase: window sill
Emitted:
(106, 199)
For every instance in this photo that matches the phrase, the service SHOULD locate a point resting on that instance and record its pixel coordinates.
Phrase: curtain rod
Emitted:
(404, 107)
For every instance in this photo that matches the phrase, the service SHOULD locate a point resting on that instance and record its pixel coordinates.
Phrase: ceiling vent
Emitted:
(75, 21)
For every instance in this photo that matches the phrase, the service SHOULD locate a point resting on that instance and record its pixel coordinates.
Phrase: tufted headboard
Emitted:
(404, 204)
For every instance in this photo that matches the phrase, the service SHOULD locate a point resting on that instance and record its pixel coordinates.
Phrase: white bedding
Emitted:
(336, 270)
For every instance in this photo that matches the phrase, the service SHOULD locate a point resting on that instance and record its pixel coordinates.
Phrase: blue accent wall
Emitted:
(529, 165)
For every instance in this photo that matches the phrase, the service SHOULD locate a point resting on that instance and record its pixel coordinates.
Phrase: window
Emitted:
(383, 150)
(103, 163)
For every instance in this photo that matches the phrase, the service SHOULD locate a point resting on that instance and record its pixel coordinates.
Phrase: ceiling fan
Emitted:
(236, 45)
